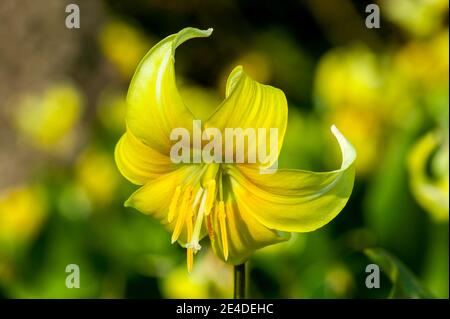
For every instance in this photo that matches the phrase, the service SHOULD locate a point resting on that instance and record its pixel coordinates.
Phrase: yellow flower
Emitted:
(48, 120)
(418, 18)
(239, 208)
(97, 175)
(123, 44)
(111, 111)
(210, 279)
(23, 210)
(431, 192)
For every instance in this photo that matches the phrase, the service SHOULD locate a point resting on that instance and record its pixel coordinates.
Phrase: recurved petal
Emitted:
(154, 105)
(250, 104)
(138, 162)
(155, 196)
(243, 233)
(295, 200)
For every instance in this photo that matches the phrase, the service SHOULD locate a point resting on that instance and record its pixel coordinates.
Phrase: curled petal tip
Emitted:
(127, 203)
(189, 33)
(348, 151)
(199, 32)
(335, 130)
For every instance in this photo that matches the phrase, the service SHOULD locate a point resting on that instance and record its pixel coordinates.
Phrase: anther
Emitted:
(185, 209)
(211, 191)
(223, 227)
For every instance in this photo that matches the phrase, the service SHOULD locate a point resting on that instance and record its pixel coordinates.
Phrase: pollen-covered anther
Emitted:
(223, 226)
(211, 191)
(209, 223)
(190, 259)
(189, 251)
(184, 211)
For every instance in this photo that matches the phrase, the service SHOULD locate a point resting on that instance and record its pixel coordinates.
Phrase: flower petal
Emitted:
(154, 105)
(154, 198)
(138, 162)
(249, 104)
(294, 200)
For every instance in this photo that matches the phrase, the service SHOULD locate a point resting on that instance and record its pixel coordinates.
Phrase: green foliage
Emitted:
(404, 283)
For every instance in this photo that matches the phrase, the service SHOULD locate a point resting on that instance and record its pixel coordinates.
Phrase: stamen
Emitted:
(211, 191)
(223, 227)
(185, 209)
(220, 186)
(173, 204)
(190, 251)
(194, 244)
(209, 224)
(190, 259)
(197, 198)
(189, 226)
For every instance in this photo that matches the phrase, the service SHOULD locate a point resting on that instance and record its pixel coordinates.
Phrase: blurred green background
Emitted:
(62, 103)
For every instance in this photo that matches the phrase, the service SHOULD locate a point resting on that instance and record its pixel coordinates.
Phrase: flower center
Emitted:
(194, 202)
(204, 209)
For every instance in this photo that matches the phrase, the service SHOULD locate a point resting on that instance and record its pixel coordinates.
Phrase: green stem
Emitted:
(240, 283)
